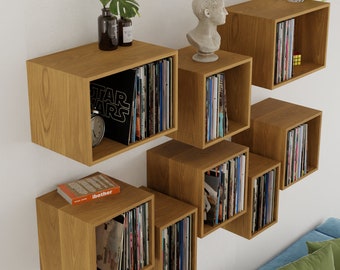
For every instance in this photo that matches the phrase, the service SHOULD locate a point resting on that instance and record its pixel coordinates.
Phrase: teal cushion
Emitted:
(335, 244)
(321, 259)
(330, 227)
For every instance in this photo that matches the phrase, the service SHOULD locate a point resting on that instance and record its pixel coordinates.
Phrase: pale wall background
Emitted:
(32, 28)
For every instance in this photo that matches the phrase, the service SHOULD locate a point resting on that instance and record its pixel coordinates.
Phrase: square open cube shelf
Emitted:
(178, 170)
(67, 233)
(169, 211)
(192, 83)
(271, 121)
(59, 97)
(244, 225)
(251, 29)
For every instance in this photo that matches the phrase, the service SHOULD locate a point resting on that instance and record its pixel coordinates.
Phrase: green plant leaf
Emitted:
(104, 2)
(124, 8)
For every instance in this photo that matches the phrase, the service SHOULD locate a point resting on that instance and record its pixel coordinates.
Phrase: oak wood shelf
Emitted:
(271, 119)
(192, 78)
(67, 233)
(169, 211)
(258, 166)
(250, 29)
(178, 169)
(59, 96)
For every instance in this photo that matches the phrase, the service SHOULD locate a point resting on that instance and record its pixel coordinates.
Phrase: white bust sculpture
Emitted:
(205, 37)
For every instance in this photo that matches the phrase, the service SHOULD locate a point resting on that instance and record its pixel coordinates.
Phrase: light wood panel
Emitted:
(271, 119)
(59, 96)
(258, 166)
(177, 169)
(250, 29)
(192, 78)
(67, 238)
(169, 211)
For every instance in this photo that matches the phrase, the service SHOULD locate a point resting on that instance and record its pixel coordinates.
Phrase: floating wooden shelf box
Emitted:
(271, 120)
(59, 97)
(178, 170)
(258, 166)
(192, 88)
(250, 29)
(67, 233)
(169, 211)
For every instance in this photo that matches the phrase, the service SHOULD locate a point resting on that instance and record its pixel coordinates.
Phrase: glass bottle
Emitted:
(125, 32)
(107, 31)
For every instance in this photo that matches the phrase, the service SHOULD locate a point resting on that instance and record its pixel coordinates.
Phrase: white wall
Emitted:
(33, 28)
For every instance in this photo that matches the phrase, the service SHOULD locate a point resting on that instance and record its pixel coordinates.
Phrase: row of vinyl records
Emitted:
(216, 107)
(284, 50)
(176, 241)
(297, 144)
(123, 242)
(224, 189)
(263, 200)
(135, 103)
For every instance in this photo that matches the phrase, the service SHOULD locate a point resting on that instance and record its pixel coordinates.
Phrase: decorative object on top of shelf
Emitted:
(204, 37)
(107, 31)
(295, 1)
(125, 9)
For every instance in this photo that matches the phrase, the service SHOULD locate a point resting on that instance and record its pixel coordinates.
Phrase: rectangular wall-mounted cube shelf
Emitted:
(67, 233)
(178, 170)
(169, 211)
(244, 225)
(251, 28)
(59, 97)
(192, 85)
(271, 121)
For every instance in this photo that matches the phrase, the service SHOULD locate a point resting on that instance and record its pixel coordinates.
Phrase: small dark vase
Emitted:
(107, 31)
(125, 32)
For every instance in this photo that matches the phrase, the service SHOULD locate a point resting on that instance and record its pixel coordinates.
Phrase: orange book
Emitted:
(91, 187)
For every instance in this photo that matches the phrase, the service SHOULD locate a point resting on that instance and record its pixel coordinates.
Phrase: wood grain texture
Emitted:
(59, 96)
(258, 166)
(192, 78)
(250, 29)
(271, 119)
(67, 233)
(169, 211)
(182, 167)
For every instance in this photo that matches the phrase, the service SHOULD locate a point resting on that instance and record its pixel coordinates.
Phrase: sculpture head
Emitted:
(212, 10)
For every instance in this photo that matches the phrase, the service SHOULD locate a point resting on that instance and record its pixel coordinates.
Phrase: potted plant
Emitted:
(124, 10)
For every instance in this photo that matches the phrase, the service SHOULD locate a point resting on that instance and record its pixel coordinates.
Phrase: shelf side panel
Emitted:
(239, 32)
(57, 121)
(48, 232)
(78, 241)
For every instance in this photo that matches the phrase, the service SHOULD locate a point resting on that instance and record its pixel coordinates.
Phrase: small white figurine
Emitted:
(205, 37)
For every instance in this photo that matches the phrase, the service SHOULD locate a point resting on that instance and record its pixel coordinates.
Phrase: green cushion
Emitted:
(320, 259)
(335, 243)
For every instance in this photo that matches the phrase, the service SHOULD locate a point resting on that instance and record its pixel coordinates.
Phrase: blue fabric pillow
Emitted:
(295, 251)
(330, 227)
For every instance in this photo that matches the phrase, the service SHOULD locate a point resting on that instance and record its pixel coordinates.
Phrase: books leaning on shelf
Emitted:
(216, 107)
(123, 242)
(263, 200)
(176, 242)
(135, 103)
(224, 189)
(91, 187)
(284, 50)
(297, 142)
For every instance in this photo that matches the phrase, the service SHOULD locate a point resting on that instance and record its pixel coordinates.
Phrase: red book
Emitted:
(91, 187)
